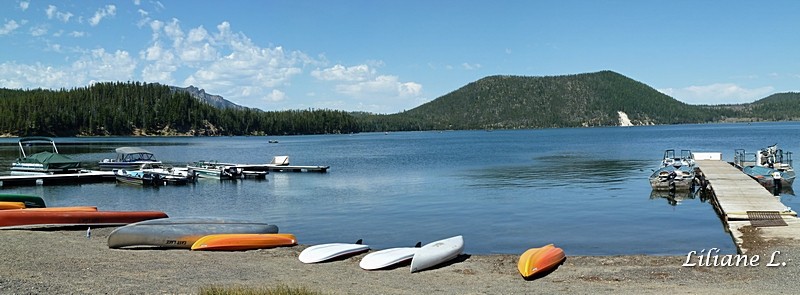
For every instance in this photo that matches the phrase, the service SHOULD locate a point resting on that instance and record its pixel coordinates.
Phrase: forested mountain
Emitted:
(592, 99)
(495, 102)
(149, 109)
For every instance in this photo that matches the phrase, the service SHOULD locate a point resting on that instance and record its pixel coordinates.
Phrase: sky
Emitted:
(390, 56)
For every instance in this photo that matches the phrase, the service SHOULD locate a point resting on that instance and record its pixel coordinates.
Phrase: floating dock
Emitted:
(281, 168)
(53, 179)
(741, 201)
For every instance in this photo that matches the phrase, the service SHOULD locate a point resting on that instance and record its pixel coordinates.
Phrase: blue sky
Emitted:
(390, 56)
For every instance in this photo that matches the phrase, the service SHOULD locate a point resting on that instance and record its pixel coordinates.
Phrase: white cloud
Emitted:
(719, 93)
(137, 2)
(9, 27)
(468, 66)
(380, 87)
(24, 5)
(52, 12)
(342, 73)
(77, 34)
(38, 30)
(100, 14)
(104, 66)
(276, 95)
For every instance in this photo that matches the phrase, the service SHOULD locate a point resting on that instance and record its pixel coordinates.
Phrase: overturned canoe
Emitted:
(30, 201)
(243, 242)
(11, 205)
(436, 253)
(540, 260)
(325, 252)
(182, 232)
(25, 218)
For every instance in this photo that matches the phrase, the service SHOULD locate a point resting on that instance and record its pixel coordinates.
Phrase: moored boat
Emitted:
(243, 242)
(771, 166)
(182, 232)
(675, 172)
(129, 158)
(540, 260)
(139, 177)
(22, 218)
(42, 157)
(215, 170)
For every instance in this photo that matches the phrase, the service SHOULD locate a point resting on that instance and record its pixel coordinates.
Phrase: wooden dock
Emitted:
(741, 201)
(52, 179)
(281, 168)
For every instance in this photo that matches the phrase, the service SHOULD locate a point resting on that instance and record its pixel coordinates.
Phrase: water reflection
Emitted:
(559, 171)
(675, 198)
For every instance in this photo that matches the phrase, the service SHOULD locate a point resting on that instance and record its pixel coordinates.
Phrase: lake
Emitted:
(584, 189)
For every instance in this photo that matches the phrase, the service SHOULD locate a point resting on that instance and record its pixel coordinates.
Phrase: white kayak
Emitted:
(388, 257)
(436, 253)
(319, 253)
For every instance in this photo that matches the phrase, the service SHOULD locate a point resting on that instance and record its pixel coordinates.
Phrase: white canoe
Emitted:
(388, 257)
(319, 253)
(436, 253)
(182, 232)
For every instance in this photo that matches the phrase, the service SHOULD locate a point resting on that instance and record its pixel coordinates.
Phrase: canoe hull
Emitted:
(182, 233)
(243, 242)
(16, 219)
(436, 253)
(540, 260)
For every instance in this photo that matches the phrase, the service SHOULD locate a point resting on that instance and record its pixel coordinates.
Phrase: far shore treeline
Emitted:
(495, 102)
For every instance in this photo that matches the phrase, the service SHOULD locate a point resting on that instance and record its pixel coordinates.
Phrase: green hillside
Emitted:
(591, 99)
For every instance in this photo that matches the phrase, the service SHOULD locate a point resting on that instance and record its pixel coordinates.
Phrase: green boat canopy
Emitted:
(52, 161)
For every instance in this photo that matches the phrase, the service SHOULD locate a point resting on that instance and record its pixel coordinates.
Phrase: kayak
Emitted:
(11, 205)
(182, 232)
(436, 253)
(540, 260)
(24, 218)
(243, 242)
(30, 201)
(325, 252)
(388, 257)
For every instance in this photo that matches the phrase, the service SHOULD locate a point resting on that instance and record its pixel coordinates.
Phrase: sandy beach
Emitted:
(66, 262)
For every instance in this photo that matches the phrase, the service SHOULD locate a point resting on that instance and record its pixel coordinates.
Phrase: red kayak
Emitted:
(33, 219)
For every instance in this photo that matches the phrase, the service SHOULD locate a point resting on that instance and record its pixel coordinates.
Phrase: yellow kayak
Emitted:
(540, 260)
(11, 205)
(65, 209)
(241, 242)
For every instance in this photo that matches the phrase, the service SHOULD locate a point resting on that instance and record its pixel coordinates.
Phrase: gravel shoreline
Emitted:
(66, 262)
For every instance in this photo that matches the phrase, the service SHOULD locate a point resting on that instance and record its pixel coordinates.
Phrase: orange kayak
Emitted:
(540, 260)
(36, 219)
(11, 205)
(241, 242)
(65, 209)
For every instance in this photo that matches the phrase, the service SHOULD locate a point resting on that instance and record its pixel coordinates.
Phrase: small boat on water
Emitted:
(30, 201)
(215, 170)
(675, 172)
(129, 158)
(39, 155)
(153, 176)
(540, 260)
(771, 166)
(436, 253)
(182, 232)
(243, 242)
(24, 218)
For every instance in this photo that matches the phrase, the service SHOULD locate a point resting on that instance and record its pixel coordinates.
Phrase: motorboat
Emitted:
(771, 166)
(129, 158)
(39, 155)
(215, 170)
(676, 172)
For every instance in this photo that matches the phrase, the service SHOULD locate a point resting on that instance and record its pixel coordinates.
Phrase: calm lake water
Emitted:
(584, 189)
